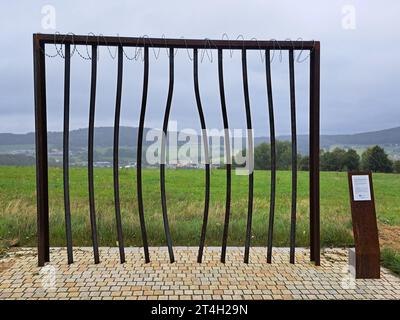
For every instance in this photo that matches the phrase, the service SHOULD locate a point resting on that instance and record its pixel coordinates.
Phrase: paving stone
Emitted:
(185, 279)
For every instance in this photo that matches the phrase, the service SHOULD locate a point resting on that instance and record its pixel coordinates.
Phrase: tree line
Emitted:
(21, 160)
(373, 159)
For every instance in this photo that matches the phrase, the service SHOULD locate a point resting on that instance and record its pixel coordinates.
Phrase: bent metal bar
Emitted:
(39, 54)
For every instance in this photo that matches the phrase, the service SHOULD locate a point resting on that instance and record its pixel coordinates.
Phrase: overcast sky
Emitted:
(360, 62)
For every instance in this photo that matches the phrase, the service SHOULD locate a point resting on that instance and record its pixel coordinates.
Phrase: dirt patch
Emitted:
(7, 247)
(6, 264)
(389, 236)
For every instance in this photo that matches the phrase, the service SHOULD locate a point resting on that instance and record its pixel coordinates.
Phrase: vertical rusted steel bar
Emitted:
(228, 164)
(90, 155)
(163, 155)
(42, 196)
(273, 155)
(314, 153)
(115, 155)
(67, 209)
(294, 157)
(311, 158)
(139, 155)
(249, 156)
(207, 163)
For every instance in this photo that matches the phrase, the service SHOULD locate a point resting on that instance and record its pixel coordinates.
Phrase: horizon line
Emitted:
(285, 134)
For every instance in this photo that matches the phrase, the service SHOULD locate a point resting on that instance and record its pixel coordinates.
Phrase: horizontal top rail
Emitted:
(101, 40)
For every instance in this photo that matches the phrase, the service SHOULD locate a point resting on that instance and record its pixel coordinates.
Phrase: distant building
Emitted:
(102, 164)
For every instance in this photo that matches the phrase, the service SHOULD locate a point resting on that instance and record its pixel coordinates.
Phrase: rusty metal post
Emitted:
(41, 151)
(314, 154)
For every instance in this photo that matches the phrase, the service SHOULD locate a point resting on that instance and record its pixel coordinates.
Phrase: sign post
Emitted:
(366, 258)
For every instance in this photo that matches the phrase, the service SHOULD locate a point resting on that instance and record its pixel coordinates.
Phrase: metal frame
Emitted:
(39, 47)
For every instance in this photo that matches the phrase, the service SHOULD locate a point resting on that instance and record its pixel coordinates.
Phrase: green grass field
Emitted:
(185, 200)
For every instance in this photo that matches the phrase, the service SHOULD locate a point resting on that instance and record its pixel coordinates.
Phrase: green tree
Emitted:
(339, 160)
(283, 155)
(262, 157)
(396, 166)
(16, 160)
(332, 160)
(351, 160)
(304, 163)
(376, 160)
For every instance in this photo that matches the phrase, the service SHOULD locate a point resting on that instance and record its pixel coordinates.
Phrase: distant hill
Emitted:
(78, 138)
(128, 138)
(382, 137)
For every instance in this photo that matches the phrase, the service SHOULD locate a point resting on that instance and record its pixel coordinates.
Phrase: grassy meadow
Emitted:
(185, 200)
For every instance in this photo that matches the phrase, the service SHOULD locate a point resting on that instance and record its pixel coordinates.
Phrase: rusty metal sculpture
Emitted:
(39, 53)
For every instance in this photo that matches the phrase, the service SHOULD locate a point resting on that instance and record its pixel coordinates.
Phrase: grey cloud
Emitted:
(360, 68)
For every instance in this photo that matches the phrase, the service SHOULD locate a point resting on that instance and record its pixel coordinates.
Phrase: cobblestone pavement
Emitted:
(20, 278)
